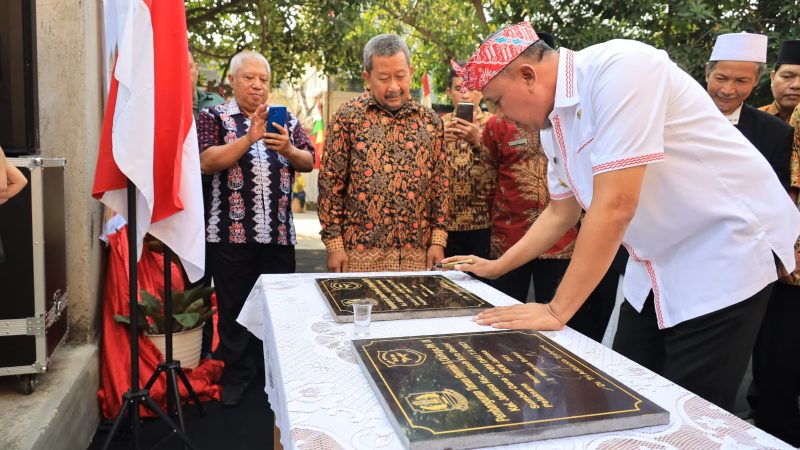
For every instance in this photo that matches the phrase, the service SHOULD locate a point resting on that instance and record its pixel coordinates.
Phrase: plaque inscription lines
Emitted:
(502, 382)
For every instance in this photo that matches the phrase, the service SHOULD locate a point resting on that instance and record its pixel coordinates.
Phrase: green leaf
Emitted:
(191, 295)
(151, 304)
(197, 306)
(187, 320)
(122, 319)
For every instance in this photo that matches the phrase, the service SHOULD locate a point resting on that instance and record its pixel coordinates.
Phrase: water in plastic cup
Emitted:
(362, 310)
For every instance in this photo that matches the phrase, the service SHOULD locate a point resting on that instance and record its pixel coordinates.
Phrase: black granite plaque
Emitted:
(400, 297)
(495, 388)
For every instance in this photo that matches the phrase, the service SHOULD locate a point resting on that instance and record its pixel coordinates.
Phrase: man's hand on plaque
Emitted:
(485, 268)
(338, 261)
(530, 316)
(434, 255)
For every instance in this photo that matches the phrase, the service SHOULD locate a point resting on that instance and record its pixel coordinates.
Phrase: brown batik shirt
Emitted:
(775, 109)
(383, 185)
(469, 169)
(794, 182)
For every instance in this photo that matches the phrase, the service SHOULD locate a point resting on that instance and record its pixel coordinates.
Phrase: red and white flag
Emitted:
(426, 90)
(149, 133)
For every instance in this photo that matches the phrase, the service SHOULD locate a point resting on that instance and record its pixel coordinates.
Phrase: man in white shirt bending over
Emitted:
(637, 143)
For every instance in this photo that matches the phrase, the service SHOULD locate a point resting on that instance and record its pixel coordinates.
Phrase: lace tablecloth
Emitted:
(322, 400)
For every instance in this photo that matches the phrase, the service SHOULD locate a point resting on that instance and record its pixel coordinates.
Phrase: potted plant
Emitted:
(189, 313)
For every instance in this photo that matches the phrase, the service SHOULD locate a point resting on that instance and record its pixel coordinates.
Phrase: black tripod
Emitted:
(169, 366)
(136, 397)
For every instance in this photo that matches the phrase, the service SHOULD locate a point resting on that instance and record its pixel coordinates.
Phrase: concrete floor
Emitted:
(62, 412)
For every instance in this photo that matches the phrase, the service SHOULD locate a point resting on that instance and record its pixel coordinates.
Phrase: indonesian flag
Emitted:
(426, 90)
(149, 133)
(319, 133)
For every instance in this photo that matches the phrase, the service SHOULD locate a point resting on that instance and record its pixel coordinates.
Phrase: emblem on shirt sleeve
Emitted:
(562, 183)
(580, 112)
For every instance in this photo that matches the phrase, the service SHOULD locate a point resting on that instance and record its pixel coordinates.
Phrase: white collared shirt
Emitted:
(733, 117)
(711, 210)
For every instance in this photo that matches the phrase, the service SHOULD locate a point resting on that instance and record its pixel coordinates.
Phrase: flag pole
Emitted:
(136, 397)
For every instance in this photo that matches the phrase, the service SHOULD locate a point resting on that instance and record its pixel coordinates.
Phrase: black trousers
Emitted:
(707, 355)
(471, 242)
(776, 366)
(590, 320)
(208, 327)
(546, 274)
(236, 268)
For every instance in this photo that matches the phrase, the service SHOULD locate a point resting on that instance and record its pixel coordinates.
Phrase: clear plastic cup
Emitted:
(362, 314)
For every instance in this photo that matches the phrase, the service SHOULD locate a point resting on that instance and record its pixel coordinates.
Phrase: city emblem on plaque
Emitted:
(401, 358)
(437, 401)
(345, 285)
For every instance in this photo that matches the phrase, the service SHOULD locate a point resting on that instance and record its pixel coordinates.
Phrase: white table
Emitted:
(322, 400)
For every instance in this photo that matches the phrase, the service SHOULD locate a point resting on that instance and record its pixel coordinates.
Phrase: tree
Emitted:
(330, 34)
(290, 33)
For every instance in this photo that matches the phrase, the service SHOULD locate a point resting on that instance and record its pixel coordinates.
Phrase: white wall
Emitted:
(70, 115)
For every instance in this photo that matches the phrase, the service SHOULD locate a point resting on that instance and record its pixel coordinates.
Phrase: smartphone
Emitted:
(464, 111)
(276, 114)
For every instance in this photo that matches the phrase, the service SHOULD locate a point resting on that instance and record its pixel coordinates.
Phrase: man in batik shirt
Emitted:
(383, 179)
(776, 378)
(785, 81)
(249, 226)
(776, 365)
(467, 157)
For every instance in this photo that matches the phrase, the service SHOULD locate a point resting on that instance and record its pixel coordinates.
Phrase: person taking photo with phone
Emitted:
(249, 227)
(468, 224)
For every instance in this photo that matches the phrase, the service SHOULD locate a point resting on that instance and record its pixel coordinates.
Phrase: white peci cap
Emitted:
(740, 47)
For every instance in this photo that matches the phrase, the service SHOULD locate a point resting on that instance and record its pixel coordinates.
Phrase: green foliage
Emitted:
(330, 34)
(290, 34)
(189, 310)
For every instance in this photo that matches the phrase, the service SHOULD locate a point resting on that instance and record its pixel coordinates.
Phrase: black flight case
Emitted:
(33, 278)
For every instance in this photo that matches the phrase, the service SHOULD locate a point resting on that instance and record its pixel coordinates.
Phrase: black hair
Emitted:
(537, 50)
(453, 74)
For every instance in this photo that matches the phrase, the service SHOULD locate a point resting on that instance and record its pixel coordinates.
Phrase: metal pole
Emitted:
(168, 302)
(134, 307)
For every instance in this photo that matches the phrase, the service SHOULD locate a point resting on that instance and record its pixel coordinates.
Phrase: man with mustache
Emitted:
(736, 64)
(785, 81)
(776, 377)
(383, 184)
(635, 142)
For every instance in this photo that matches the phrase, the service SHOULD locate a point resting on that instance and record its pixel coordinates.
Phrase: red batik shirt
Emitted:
(519, 192)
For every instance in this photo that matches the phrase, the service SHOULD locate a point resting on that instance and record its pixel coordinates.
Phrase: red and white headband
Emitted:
(494, 54)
